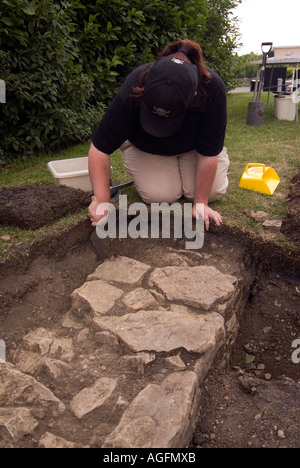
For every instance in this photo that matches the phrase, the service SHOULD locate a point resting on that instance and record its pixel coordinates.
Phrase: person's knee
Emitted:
(219, 192)
(163, 195)
(221, 182)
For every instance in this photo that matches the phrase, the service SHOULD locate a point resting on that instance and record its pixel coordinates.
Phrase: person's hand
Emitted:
(98, 211)
(206, 213)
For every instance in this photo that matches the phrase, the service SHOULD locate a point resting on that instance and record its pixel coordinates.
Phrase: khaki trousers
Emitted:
(160, 179)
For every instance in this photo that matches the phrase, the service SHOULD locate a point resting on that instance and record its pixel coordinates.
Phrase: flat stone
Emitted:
(69, 322)
(93, 397)
(62, 349)
(203, 365)
(108, 341)
(95, 296)
(38, 340)
(18, 389)
(201, 287)
(18, 422)
(55, 368)
(6, 238)
(29, 362)
(260, 216)
(121, 270)
(176, 361)
(139, 298)
(166, 330)
(49, 440)
(274, 225)
(161, 416)
(42, 341)
(138, 362)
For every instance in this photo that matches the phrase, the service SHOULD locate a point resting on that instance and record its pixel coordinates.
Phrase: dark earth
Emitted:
(33, 206)
(254, 401)
(291, 223)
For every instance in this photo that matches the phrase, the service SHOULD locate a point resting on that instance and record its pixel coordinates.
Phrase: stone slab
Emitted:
(18, 422)
(161, 416)
(97, 297)
(49, 440)
(139, 298)
(121, 270)
(38, 340)
(166, 330)
(18, 389)
(93, 397)
(201, 287)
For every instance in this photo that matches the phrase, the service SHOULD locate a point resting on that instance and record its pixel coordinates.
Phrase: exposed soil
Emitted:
(34, 206)
(258, 404)
(255, 401)
(291, 224)
(240, 408)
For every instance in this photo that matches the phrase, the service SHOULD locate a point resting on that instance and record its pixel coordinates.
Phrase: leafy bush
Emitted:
(115, 36)
(47, 97)
(63, 61)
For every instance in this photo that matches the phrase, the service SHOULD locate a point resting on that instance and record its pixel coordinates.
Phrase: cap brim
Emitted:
(157, 126)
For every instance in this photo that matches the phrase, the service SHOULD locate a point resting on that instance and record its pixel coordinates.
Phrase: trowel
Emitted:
(98, 243)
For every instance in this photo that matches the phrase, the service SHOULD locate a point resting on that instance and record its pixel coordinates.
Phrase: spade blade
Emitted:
(99, 245)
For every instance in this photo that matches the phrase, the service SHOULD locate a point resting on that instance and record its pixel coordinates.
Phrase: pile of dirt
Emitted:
(291, 224)
(34, 206)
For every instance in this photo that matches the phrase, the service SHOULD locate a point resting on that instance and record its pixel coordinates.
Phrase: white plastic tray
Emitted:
(71, 172)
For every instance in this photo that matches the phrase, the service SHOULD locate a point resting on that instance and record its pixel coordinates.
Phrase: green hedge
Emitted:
(63, 61)
(47, 102)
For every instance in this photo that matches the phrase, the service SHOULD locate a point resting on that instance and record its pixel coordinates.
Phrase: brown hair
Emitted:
(193, 53)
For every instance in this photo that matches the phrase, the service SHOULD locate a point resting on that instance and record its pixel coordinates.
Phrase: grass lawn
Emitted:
(276, 143)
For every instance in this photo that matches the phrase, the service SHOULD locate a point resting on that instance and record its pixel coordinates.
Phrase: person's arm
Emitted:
(205, 176)
(99, 171)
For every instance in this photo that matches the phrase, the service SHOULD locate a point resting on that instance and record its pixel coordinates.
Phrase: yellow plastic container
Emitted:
(259, 178)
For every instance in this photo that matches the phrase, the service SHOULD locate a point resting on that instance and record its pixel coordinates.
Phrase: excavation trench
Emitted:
(83, 369)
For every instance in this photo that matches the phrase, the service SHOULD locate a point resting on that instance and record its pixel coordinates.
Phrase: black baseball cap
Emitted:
(169, 90)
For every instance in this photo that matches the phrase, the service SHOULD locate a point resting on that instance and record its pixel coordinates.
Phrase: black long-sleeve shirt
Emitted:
(200, 131)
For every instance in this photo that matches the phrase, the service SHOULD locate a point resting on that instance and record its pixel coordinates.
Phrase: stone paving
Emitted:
(126, 364)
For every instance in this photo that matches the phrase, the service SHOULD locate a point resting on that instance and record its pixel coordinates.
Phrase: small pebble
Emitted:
(280, 434)
(5, 238)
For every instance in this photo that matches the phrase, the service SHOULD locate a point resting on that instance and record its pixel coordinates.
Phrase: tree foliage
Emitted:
(220, 38)
(244, 66)
(63, 61)
(47, 100)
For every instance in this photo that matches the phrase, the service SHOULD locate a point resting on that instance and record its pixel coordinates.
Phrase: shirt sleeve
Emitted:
(119, 121)
(115, 127)
(212, 128)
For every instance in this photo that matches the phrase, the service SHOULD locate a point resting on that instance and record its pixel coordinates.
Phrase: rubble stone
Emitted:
(121, 270)
(166, 330)
(274, 225)
(49, 440)
(39, 341)
(93, 397)
(18, 389)
(96, 296)
(18, 422)
(161, 416)
(167, 313)
(201, 287)
(139, 298)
